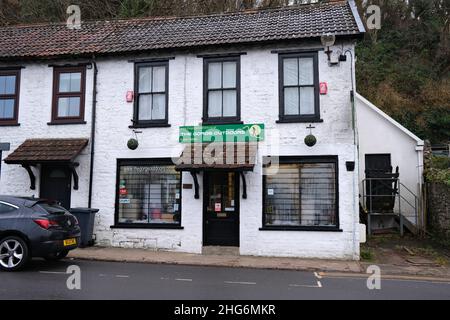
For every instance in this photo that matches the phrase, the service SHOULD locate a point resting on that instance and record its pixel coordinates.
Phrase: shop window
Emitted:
(148, 194)
(302, 193)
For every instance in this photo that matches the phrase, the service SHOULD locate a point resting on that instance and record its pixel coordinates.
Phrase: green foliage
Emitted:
(440, 162)
(405, 67)
(136, 8)
(438, 176)
(439, 170)
(367, 254)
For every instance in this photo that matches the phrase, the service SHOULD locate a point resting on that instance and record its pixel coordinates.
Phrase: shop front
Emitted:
(222, 156)
(227, 186)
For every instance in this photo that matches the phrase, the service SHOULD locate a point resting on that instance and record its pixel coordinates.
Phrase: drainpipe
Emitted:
(420, 172)
(93, 123)
(356, 149)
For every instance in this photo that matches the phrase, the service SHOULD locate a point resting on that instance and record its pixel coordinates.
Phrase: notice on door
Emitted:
(218, 207)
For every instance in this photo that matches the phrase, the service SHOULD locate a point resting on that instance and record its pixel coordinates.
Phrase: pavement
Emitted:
(139, 281)
(229, 260)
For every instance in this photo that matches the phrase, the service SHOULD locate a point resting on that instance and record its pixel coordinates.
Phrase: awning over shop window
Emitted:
(38, 151)
(218, 156)
(48, 151)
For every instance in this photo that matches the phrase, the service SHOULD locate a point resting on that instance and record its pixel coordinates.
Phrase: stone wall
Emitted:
(439, 208)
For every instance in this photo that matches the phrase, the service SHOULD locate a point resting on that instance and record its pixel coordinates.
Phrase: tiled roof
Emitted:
(35, 151)
(121, 36)
(200, 157)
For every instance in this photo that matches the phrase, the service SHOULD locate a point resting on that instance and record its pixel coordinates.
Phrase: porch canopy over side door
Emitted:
(49, 153)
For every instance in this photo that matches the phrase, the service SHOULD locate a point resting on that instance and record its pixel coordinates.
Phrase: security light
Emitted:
(328, 40)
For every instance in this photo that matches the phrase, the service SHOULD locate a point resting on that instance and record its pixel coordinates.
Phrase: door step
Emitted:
(221, 251)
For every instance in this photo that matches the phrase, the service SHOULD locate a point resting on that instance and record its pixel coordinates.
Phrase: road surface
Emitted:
(123, 281)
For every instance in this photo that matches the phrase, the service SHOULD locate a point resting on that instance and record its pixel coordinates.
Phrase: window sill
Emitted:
(147, 226)
(62, 123)
(300, 120)
(302, 229)
(215, 123)
(10, 124)
(153, 125)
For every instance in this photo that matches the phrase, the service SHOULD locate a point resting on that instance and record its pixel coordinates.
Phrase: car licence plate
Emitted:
(70, 242)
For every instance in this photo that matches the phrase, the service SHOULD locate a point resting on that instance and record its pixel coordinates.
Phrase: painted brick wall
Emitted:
(34, 113)
(259, 70)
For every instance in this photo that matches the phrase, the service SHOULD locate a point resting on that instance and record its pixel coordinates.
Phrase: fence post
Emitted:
(402, 230)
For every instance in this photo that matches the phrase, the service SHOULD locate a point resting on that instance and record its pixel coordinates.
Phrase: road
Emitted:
(122, 281)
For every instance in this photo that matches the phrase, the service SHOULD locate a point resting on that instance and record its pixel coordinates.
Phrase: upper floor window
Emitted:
(222, 90)
(152, 98)
(69, 90)
(9, 96)
(299, 88)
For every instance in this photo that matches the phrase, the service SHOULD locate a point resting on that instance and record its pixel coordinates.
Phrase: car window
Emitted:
(5, 208)
(53, 208)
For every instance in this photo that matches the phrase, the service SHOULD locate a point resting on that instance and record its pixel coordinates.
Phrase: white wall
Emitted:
(259, 73)
(379, 135)
(35, 107)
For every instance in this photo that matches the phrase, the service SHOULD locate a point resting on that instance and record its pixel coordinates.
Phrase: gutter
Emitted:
(356, 15)
(93, 127)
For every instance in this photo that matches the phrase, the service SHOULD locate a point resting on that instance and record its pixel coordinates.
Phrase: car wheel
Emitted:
(57, 256)
(14, 254)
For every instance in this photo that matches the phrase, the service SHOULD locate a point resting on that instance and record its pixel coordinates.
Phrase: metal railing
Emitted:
(398, 200)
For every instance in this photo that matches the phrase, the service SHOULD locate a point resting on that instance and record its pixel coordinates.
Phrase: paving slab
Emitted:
(219, 260)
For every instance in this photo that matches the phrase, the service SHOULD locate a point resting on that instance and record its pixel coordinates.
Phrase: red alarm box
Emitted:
(323, 88)
(130, 96)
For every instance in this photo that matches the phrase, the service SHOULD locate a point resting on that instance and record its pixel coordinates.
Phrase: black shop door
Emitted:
(221, 209)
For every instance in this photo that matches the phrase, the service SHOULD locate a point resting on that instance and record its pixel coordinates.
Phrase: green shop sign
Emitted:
(223, 133)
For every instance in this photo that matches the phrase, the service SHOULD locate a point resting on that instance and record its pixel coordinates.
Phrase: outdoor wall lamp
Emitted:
(328, 40)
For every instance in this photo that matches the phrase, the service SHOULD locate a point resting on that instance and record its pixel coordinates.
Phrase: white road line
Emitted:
(387, 278)
(301, 286)
(317, 275)
(184, 280)
(122, 276)
(51, 272)
(242, 283)
(318, 286)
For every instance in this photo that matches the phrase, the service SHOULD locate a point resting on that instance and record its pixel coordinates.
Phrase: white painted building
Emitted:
(168, 76)
(384, 144)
